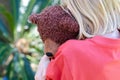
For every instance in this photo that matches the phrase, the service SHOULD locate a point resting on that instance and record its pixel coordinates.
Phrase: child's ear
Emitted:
(33, 18)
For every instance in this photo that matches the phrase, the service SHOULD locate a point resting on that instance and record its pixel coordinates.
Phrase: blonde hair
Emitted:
(95, 17)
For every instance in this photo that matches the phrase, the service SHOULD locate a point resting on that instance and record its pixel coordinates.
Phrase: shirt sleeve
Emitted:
(58, 69)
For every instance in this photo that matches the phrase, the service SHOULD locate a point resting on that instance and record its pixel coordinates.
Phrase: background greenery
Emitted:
(20, 44)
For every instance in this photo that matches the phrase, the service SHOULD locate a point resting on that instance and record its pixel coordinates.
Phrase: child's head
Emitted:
(95, 17)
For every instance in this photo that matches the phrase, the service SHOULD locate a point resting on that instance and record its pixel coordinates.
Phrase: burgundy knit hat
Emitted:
(55, 23)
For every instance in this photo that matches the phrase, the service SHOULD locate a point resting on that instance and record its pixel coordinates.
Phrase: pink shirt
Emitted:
(97, 58)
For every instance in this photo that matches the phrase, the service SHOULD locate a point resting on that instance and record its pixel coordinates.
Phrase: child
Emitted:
(97, 57)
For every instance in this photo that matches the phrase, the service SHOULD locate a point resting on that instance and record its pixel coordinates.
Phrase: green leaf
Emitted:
(5, 36)
(28, 12)
(42, 4)
(15, 5)
(10, 70)
(28, 69)
(15, 70)
(5, 51)
(24, 18)
(9, 19)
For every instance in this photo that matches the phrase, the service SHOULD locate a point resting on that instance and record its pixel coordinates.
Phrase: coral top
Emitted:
(97, 58)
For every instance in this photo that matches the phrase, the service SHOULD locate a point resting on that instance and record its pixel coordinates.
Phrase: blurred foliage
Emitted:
(20, 44)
